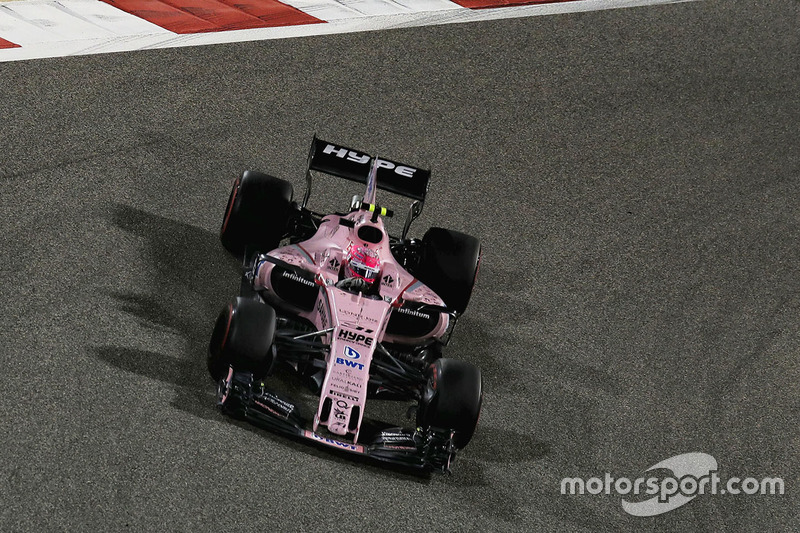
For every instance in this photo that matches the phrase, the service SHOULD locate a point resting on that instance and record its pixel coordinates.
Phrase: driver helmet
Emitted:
(363, 263)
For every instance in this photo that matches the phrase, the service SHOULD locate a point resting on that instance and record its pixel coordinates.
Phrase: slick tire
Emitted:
(257, 215)
(243, 339)
(449, 265)
(452, 399)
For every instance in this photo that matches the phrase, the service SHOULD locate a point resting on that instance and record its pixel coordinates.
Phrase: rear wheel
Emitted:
(242, 338)
(452, 399)
(257, 215)
(449, 265)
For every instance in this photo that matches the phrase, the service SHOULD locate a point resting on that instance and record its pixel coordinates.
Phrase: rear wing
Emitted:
(337, 160)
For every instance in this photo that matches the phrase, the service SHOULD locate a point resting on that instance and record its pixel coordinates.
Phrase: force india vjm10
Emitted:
(359, 314)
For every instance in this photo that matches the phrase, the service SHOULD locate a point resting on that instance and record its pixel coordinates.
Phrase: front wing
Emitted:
(241, 397)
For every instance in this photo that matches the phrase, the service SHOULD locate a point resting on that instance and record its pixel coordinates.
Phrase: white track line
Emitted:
(95, 20)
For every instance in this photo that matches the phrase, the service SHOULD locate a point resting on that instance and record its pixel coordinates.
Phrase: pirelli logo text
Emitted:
(343, 395)
(358, 338)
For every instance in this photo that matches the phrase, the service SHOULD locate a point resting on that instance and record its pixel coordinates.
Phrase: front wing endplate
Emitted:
(241, 397)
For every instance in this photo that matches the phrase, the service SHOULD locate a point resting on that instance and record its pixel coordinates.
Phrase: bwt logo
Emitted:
(351, 364)
(351, 353)
(692, 474)
(362, 159)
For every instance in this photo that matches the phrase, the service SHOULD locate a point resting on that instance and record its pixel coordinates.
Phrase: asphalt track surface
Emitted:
(632, 174)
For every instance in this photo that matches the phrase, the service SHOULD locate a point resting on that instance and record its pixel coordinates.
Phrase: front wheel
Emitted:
(243, 339)
(452, 399)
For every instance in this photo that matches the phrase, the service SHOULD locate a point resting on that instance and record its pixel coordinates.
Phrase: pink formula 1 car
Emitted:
(359, 314)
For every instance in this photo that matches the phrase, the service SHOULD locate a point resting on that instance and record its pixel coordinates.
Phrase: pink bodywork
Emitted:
(357, 322)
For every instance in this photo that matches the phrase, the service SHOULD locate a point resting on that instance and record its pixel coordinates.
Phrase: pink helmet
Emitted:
(361, 262)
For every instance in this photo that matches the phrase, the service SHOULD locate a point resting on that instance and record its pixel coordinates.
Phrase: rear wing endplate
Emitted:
(337, 160)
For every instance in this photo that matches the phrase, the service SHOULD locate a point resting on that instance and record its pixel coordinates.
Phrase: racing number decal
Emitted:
(340, 410)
